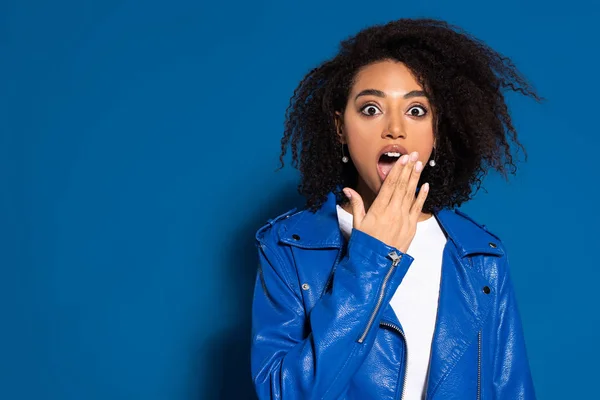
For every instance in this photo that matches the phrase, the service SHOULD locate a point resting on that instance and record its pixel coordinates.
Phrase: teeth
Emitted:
(390, 154)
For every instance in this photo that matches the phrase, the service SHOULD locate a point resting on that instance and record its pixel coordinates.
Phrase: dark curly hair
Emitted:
(464, 79)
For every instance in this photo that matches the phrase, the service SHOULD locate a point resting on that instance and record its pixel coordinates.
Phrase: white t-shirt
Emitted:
(416, 299)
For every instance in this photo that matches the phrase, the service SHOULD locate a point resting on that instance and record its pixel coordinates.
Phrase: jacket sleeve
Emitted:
(295, 356)
(512, 376)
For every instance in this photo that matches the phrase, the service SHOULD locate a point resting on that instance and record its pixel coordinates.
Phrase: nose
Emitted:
(394, 129)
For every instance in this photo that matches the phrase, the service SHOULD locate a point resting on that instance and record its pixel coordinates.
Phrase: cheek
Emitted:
(424, 145)
(362, 132)
(361, 146)
(425, 150)
(356, 135)
(360, 152)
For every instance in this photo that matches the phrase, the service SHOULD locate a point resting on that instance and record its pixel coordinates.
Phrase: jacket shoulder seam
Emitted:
(483, 227)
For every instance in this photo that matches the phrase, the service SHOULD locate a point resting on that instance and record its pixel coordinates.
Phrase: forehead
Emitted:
(388, 76)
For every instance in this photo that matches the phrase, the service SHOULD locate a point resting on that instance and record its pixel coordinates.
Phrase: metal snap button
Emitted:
(486, 290)
(493, 245)
(295, 237)
(305, 286)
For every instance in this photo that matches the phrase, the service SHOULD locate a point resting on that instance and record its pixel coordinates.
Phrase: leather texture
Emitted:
(322, 326)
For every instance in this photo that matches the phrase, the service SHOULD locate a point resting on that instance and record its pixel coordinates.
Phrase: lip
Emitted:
(393, 148)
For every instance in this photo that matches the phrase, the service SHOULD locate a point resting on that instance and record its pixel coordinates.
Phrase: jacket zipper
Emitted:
(394, 327)
(479, 366)
(395, 260)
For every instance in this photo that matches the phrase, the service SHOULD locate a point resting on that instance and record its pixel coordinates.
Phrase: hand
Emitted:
(392, 218)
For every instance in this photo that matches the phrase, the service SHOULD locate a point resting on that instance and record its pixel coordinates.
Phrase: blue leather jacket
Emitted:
(323, 328)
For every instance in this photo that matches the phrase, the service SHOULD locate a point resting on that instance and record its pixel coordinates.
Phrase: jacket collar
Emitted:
(320, 230)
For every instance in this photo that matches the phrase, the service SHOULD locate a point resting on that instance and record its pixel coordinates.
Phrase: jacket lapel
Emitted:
(463, 304)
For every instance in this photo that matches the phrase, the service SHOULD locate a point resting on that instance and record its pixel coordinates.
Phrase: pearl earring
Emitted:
(432, 161)
(345, 159)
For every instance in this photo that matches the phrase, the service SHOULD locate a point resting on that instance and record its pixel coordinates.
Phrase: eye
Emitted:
(417, 111)
(370, 110)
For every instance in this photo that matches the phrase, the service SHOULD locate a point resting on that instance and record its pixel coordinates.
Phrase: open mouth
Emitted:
(388, 156)
(386, 162)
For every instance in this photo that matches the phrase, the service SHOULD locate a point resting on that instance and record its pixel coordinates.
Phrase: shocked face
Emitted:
(387, 115)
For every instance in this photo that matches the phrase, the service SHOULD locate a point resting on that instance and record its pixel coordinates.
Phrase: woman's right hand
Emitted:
(392, 218)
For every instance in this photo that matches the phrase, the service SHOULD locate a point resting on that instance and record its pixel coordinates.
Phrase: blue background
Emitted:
(138, 147)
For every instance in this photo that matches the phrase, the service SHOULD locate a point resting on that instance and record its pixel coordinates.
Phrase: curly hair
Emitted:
(464, 79)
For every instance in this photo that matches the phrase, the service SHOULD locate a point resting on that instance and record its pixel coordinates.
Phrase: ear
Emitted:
(339, 127)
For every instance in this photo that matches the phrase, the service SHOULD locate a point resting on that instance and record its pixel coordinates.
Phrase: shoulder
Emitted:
(487, 244)
(269, 232)
(470, 236)
(276, 260)
(484, 230)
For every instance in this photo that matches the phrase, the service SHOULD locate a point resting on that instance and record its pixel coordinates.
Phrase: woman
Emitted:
(386, 291)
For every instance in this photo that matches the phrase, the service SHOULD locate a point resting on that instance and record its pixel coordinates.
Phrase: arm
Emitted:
(512, 377)
(295, 356)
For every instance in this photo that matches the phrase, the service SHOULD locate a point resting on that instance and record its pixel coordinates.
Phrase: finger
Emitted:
(389, 184)
(413, 181)
(401, 186)
(417, 206)
(358, 206)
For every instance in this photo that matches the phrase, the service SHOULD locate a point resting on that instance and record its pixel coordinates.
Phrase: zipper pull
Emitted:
(395, 258)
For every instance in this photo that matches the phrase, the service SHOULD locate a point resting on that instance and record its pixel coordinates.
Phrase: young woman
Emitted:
(380, 288)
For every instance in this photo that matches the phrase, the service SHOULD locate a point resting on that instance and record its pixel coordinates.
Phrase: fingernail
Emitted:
(347, 193)
(404, 159)
(425, 187)
(419, 166)
(414, 156)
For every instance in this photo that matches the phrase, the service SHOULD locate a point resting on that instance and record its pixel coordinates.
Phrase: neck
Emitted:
(368, 196)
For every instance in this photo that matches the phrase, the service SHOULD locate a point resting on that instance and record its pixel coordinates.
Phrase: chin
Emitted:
(374, 185)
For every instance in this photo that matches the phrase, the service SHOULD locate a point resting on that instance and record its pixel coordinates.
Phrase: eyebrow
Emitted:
(379, 93)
